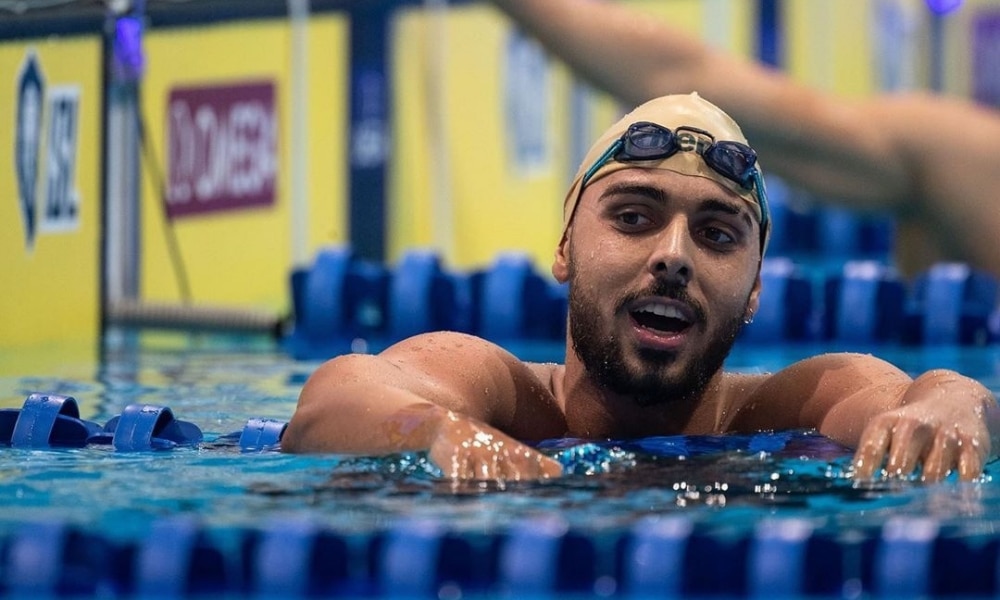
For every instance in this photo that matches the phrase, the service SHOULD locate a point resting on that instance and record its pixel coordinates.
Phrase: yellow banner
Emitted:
(219, 105)
(50, 188)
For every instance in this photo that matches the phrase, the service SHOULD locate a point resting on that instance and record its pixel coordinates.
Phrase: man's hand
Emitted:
(469, 450)
(940, 426)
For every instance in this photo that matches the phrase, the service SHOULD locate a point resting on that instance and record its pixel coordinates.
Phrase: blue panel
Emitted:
(370, 139)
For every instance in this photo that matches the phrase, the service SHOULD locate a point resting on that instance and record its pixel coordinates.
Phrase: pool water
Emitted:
(727, 484)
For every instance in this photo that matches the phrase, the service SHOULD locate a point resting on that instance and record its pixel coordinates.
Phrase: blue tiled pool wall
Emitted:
(827, 276)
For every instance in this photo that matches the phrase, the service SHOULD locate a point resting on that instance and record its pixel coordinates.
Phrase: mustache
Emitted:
(669, 290)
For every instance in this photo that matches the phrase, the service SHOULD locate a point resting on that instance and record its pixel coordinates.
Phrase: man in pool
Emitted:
(928, 159)
(665, 228)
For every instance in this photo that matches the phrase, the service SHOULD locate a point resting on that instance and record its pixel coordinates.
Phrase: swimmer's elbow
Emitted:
(304, 432)
(311, 428)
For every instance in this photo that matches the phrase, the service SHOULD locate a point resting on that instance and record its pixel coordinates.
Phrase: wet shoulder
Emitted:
(546, 373)
(740, 399)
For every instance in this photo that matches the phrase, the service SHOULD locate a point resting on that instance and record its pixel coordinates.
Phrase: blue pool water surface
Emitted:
(730, 488)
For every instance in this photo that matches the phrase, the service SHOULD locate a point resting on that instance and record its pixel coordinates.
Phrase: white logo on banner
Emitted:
(27, 140)
(897, 26)
(45, 153)
(61, 206)
(528, 96)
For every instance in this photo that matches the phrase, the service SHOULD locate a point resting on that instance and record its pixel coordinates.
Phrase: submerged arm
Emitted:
(458, 397)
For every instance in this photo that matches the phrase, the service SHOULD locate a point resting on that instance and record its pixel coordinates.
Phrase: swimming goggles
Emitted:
(648, 141)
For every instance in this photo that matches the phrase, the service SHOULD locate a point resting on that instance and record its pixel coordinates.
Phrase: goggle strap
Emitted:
(601, 161)
(765, 211)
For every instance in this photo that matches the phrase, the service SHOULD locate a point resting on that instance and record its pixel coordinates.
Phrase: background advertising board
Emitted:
(222, 151)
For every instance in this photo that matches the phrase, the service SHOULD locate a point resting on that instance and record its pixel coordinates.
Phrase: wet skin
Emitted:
(663, 268)
(663, 271)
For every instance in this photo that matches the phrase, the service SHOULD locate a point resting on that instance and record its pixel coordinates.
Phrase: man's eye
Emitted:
(718, 236)
(632, 219)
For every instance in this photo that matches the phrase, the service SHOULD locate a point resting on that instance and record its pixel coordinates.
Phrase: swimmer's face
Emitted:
(681, 133)
(663, 270)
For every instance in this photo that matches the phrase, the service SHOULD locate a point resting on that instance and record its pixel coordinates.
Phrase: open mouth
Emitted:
(661, 318)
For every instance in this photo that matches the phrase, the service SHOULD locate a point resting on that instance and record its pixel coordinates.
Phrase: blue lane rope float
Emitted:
(777, 558)
(529, 561)
(162, 565)
(410, 557)
(261, 434)
(148, 427)
(324, 308)
(904, 559)
(786, 311)
(654, 558)
(865, 304)
(848, 235)
(294, 557)
(32, 570)
(514, 303)
(420, 296)
(53, 421)
(342, 304)
(52, 559)
(658, 557)
(951, 304)
(177, 559)
(46, 420)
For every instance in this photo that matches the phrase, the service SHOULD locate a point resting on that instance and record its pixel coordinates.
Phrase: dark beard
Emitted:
(604, 359)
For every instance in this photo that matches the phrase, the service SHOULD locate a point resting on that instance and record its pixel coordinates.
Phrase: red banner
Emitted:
(222, 150)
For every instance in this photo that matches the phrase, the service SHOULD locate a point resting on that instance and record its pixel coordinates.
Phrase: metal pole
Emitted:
(124, 63)
(298, 135)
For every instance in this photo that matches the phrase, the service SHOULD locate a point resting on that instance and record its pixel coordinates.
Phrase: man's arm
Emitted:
(462, 399)
(928, 159)
(939, 421)
(832, 146)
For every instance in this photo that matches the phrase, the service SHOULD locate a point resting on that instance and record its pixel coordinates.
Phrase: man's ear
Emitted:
(560, 265)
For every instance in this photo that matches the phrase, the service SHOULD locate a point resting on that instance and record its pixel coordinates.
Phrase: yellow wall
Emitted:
(461, 158)
(828, 45)
(958, 41)
(452, 185)
(51, 291)
(243, 258)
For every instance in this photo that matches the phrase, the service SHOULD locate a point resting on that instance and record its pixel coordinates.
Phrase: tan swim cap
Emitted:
(684, 112)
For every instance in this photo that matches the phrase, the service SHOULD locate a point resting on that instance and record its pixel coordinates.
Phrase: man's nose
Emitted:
(671, 260)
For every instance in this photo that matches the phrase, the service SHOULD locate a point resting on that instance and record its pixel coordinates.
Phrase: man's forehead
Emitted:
(670, 183)
(666, 188)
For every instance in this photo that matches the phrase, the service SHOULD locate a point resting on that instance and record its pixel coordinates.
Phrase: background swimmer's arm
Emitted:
(937, 421)
(447, 393)
(834, 147)
(929, 159)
